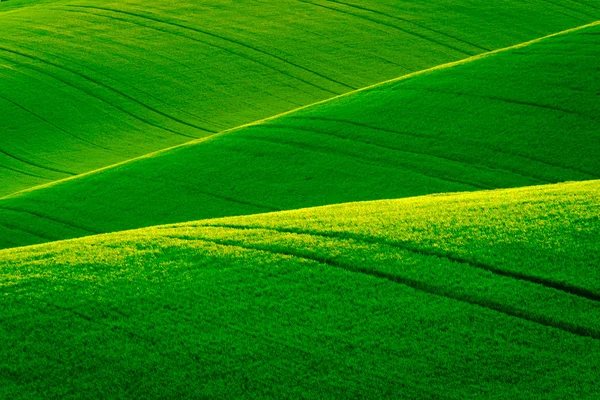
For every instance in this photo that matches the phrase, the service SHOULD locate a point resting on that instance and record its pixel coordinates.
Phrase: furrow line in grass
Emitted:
(346, 45)
(26, 173)
(578, 18)
(408, 246)
(468, 142)
(210, 194)
(357, 156)
(110, 88)
(409, 22)
(238, 54)
(276, 341)
(528, 157)
(27, 231)
(65, 88)
(58, 221)
(433, 138)
(412, 283)
(286, 113)
(144, 92)
(114, 328)
(53, 125)
(570, 8)
(272, 340)
(91, 94)
(33, 164)
(497, 98)
(423, 37)
(586, 4)
(226, 39)
(213, 88)
(359, 124)
(418, 153)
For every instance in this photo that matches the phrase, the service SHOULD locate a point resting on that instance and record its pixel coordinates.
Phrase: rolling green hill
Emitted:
(519, 117)
(492, 294)
(89, 83)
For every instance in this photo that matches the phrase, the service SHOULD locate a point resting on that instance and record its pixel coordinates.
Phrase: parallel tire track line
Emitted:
(462, 163)
(27, 231)
(410, 22)
(571, 8)
(226, 39)
(416, 285)
(370, 160)
(210, 194)
(463, 141)
(500, 99)
(216, 46)
(91, 94)
(376, 86)
(407, 246)
(58, 221)
(114, 328)
(26, 173)
(33, 164)
(53, 125)
(97, 82)
(586, 4)
(423, 37)
(144, 92)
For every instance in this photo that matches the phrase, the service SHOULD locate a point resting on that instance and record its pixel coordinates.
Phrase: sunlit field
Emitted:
(299, 199)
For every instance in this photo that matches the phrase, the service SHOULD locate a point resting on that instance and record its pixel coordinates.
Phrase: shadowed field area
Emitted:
(488, 294)
(85, 84)
(521, 117)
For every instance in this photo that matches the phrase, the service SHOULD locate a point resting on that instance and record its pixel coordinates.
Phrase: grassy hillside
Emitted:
(477, 295)
(88, 83)
(520, 117)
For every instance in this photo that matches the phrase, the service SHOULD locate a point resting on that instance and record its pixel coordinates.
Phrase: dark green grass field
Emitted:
(85, 84)
(305, 199)
(524, 116)
(491, 294)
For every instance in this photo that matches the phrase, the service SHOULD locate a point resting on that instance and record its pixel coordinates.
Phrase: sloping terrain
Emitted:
(519, 117)
(85, 84)
(493, 294)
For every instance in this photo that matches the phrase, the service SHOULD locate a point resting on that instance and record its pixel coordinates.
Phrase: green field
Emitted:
(520, 117)
(301, 199)
(487, 294)
(85, 84)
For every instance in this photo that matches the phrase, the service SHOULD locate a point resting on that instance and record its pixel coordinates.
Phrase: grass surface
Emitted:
(520, 117)
(85, 84)
(489, 294)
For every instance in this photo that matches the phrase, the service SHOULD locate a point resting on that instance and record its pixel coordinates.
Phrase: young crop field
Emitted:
(523, 116)
(86, 84)
(484, 294)
(311, 199)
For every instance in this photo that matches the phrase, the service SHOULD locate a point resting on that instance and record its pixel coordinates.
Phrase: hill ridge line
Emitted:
(208, 222)
(283, 114)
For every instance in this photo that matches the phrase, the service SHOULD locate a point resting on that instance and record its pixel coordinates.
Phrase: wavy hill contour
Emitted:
(524, 116)
(89, 83)
(486, 294)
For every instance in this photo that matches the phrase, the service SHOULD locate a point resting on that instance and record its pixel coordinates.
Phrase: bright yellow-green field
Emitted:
(487, 294)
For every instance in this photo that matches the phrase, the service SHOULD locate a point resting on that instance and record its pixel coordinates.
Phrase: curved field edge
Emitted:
(335, 301)
(91, 83)
(524, 116)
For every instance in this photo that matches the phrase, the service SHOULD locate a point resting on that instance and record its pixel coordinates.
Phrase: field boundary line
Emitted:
(295, 110)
